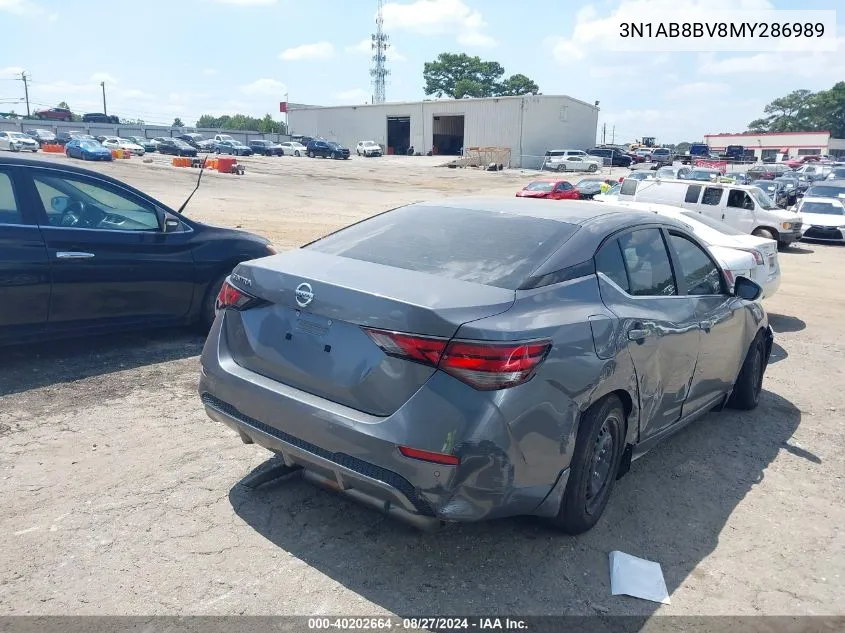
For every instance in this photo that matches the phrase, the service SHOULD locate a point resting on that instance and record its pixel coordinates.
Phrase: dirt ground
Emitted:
(119, 496)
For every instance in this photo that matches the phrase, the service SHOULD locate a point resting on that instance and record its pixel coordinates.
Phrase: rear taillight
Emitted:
(235, 298)
(485, 366)
(758, 256)
(428, 456)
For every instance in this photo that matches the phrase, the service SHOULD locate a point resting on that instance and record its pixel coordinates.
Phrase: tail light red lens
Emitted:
(231, 297)
(428, 456)
(486, 366)
(758, 256)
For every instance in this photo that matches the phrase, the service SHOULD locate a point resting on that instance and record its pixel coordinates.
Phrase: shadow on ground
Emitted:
(671, 508)
(782, 324)
(778, 354)
(33, 366)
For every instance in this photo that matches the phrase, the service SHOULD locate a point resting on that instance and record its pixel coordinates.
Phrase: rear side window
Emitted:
(700, 272)
(629, 187)
(648, 264)
(485, 247)
(693, 191)
(609, 261)
(9, 212)
(712, 196)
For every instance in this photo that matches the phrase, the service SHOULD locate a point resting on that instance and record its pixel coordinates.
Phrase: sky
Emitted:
(184, 58)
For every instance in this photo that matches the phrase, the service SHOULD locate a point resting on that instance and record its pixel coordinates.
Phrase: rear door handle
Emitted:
(73, 255)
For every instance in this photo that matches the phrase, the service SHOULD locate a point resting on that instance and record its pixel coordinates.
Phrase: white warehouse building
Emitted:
(527, 125)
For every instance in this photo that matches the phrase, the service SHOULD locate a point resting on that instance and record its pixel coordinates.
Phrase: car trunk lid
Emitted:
(307, 332)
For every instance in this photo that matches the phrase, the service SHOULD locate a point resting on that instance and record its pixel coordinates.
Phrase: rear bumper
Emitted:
(357, 454)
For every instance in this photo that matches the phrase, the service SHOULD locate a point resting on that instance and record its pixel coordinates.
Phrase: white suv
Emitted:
(368, 148)
(571, 160)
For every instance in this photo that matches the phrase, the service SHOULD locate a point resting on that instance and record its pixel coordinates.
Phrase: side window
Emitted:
(740, 200)
(564, 186)
(609, 261)
(629, 187)
(76, 203)
(712, 196)
(700, 272)
(9, 210)
(693, 191)
(648, 264)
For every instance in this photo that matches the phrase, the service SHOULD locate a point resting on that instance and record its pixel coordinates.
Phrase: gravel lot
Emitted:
(121, 497)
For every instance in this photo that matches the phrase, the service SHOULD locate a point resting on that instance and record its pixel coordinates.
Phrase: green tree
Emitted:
(518, 85)
(682, 147)
(177, 122)
(828, 110)
(805, 111)
(265, 125)
(460, 76)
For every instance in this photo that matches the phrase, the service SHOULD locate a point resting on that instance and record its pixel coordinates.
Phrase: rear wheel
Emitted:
(749, 384)
(310, 154)
(592, 168)
(595, 463)
(296, 153)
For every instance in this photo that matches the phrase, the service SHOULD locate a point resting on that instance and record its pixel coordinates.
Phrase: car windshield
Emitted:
(87, 144)
(446, 242)
(180, 143)
(713, 224)
(703, 174)
(18, 135)
(666, 172)
(614, 190)
(333, 145)
(765, 186)
(823, 208)
(540, 186)
(826, 191)
(763, 199)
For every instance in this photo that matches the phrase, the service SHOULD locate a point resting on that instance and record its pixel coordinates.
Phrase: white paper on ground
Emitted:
(637, 577)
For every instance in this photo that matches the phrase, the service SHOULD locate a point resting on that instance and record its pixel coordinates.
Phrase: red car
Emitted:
(794, 163)
(553, 189)
(57, 114)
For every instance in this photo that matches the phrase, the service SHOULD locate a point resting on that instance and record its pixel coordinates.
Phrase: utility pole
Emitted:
(103, 84)
(287, 114)
(603, 133)
(613, 136)
(26, 92)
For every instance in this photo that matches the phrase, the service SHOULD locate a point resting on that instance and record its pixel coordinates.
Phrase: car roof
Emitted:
(823, 200)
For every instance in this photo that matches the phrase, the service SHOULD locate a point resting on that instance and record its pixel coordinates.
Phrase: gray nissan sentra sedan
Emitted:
(467, 359)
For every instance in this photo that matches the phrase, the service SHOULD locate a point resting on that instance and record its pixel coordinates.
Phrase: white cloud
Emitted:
(209, 71)
(697, 90)
(320, 50)
(98, 77)
(476, 39)
(352, 97)
(11, 71)
(594, 33)
(269, 87)
(438, 17)
(26, 8)
(807, 65)
(365, 47)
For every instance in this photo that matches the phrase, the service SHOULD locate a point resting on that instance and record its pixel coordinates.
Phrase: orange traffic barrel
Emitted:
(224, 165)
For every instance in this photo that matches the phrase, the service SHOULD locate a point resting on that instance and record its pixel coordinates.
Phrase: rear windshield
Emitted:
(540, 186)
(826, 191)
(484, 247)
(823, 208)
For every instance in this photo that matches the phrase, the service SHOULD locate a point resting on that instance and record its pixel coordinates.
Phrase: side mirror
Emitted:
(745, 288)
(171, 224)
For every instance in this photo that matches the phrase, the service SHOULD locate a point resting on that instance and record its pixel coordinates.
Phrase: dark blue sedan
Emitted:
(87, 150)
(84, 254)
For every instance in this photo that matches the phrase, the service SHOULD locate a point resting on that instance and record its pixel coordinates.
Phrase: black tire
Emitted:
(602, 429)
(296, 153)
(310, 154)
(592, 168)
(208, 312)
(764, 233)
(749, 383)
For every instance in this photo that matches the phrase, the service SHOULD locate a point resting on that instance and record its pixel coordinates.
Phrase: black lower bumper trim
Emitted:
(341, 459)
